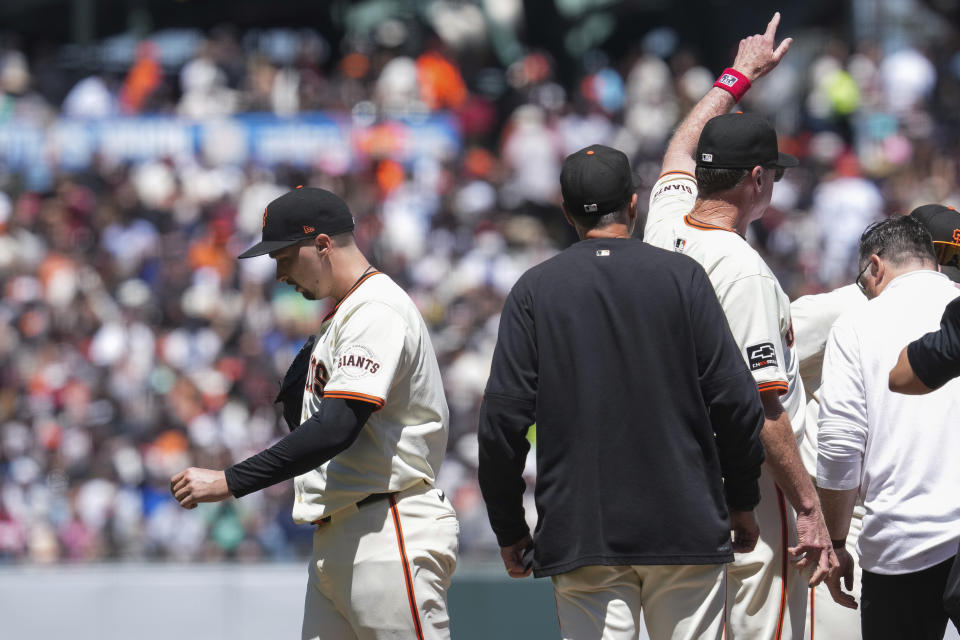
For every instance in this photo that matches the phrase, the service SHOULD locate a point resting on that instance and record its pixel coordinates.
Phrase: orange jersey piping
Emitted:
(780, 387)
(355, 395)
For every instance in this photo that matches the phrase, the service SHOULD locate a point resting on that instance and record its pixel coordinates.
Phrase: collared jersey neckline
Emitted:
(690, 222)
(351, 290)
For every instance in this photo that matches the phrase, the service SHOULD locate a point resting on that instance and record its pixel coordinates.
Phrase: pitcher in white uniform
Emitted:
(372, 434)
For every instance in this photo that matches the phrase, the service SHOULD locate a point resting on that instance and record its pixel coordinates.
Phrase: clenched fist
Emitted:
(196, 485)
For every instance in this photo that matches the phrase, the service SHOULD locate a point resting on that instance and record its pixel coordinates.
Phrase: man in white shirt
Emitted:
(736, 160)
(813, 316)
(893, 451)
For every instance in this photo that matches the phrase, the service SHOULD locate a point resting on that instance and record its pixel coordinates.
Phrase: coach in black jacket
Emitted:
(648, 423)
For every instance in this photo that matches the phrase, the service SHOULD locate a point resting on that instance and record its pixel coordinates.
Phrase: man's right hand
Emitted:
(814, 545)
(757, 56)
(745, 529)
(194, 485)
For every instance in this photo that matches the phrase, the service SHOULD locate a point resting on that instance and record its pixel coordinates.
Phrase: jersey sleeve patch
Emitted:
(762, 355)
(357, 361)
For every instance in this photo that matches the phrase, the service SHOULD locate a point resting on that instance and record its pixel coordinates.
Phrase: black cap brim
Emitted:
(261, 248)
(785, 160)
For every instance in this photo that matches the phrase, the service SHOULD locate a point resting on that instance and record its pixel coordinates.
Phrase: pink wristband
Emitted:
(733, 81)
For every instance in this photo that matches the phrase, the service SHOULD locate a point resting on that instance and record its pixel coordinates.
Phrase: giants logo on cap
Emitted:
(956, 236)
(264, 219)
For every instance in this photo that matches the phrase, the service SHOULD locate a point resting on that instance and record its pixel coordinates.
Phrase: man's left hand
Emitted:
(513, 557)
(196, 485)
(845, 571)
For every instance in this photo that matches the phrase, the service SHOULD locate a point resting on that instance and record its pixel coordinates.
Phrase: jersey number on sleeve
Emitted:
(319, 379)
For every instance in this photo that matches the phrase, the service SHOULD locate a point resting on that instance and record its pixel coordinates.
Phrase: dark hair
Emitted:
(588, 222)
(343, 238)
(711, 180)
(901, 239)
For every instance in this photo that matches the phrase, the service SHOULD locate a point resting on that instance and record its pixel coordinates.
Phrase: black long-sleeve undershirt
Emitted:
(331, 430)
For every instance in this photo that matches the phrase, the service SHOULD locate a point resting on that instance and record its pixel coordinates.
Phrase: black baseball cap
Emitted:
(300, 214)
(596, 180)
(740, 141)
(943, 223)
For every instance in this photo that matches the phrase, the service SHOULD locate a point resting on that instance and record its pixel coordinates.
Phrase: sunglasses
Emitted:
(858, 281)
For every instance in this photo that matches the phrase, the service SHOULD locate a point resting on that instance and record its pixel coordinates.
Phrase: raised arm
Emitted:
(756, 57)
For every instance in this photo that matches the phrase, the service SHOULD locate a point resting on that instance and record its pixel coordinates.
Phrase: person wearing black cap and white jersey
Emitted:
(931, 361)
(647, 419)
(705, 216)
(368, 399)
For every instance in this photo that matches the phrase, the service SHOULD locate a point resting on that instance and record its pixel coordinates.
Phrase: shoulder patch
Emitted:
(356, 361)
(761, 355)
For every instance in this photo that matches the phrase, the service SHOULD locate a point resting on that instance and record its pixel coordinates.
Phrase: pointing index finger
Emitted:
(771, 31)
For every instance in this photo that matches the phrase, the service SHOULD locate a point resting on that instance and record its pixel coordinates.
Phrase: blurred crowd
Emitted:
(133, 344)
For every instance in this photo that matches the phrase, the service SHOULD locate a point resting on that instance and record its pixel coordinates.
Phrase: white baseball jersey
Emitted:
(756, 307)
(374, 346)
(813, 316)
(766, 598)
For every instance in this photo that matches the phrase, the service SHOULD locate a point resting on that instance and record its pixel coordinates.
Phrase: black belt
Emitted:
(373, 497)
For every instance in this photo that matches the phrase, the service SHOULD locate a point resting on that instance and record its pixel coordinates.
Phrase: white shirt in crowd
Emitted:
(899, 450)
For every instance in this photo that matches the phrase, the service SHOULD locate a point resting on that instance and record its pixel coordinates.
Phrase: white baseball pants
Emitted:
(679, 602)
(381, 571)
(766, 594)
